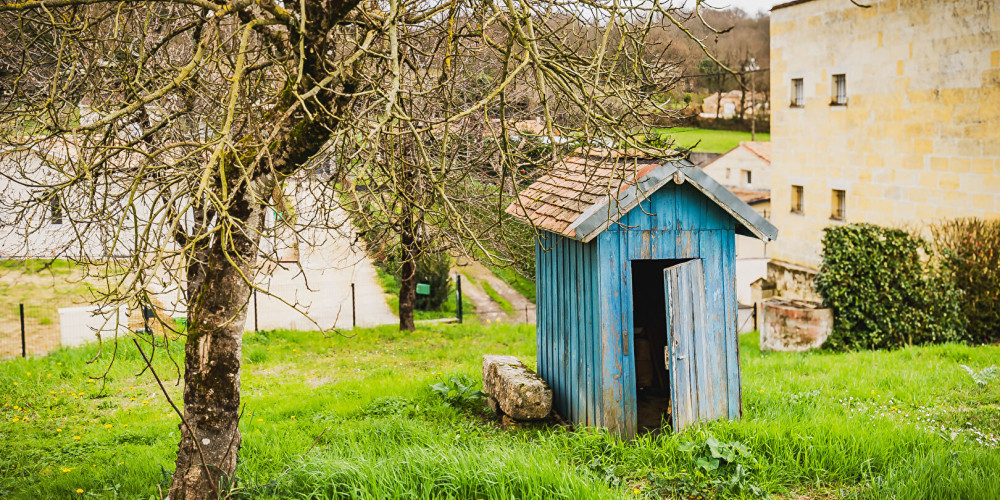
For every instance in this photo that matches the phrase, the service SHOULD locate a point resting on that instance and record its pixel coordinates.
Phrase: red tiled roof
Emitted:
(559, 197)
(761, 149)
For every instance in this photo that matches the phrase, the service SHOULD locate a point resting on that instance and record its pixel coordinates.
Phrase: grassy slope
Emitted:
(390, 285)
(712, 141)
(386, 434)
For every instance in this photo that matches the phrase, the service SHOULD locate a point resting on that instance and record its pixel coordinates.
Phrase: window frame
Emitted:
(746, 176)
(55, 210)
(838, 203)
(798, 93)
(798, 195)
(837, 98)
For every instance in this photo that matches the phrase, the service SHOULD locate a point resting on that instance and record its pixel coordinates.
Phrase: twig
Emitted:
(201, 453)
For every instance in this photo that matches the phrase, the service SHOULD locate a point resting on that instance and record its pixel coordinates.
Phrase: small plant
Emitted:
(459, 392)
(719, 466)
(387, 406)
(983, 377)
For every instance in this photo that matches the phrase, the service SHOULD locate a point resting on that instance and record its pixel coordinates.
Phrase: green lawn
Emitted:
(708, 141)
(904, 424)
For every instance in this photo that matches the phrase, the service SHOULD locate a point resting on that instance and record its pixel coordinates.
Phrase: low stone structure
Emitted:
(794, 325)
(514, 390)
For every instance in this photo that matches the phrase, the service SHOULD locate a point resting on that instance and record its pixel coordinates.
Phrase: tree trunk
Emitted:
(210, 435)
(718, 108)
(407, 275)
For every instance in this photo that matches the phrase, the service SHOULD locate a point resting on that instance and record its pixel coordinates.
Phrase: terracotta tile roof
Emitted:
(761, 149)
(750, 197)
(562, 195)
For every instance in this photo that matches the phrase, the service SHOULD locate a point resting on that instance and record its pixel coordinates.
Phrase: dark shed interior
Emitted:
(652, 377)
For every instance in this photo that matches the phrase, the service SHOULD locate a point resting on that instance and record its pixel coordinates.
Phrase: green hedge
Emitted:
(969, 254)
(882, 293)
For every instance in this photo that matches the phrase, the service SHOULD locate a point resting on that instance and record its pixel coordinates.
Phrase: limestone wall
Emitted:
(919, 139)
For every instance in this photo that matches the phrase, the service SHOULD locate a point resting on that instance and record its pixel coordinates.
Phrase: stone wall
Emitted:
(792, 281)
(919, 138)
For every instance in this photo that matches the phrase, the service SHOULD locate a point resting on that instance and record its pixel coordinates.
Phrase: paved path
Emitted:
(315, 292)
(522, 310)
(319, 288)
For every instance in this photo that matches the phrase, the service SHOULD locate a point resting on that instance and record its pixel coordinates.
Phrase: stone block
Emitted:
(794, 325)
(516, 391)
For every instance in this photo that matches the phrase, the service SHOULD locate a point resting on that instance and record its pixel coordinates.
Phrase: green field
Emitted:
(708, 141)
(903, 424)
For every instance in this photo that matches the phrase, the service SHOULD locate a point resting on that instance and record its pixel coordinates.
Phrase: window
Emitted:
(55, 209)
(839, 90)
(746, 177)
(798, 95)
(838, 200)
(796, 199)
(727, 173)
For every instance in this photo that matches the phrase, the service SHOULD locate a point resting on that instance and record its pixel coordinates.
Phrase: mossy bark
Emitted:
(210, 435)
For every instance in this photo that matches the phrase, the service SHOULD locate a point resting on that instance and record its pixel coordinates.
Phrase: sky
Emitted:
(752, 6)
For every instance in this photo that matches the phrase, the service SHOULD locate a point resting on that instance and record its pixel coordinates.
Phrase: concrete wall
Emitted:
(80, 325)
(919, 139)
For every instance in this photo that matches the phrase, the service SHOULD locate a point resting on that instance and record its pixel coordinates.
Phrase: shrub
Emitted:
(968, 253)
(882, 293)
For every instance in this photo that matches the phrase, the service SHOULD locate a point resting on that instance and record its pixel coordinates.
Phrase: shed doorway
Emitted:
(650, 343)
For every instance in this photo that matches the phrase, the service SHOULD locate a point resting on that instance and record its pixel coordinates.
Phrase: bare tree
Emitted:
(167, 126)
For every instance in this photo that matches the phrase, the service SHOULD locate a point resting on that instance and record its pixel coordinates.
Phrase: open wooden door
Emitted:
(684, 286)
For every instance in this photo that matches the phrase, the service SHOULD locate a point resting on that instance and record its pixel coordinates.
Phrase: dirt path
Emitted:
(521, 311)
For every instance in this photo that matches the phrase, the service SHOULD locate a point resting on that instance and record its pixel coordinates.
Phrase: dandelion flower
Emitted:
(260, 419)
(58, 430)
(28, 374)
(76, 438)
(78, 491)
(124, 425)
(15, 419)
(131, 399)
(15, 383)
(108, 426)
(66, 470)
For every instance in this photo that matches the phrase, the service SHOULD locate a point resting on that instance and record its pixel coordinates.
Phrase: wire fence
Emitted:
(28, 330)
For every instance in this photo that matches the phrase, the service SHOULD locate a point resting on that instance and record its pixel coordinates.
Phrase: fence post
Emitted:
(458, 295)
(24, 350)
(354, 309)
(255, 329)
(526, 313)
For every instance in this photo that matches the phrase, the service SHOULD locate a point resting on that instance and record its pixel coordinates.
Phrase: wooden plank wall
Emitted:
(677, 222)
(567, 331)
(584, 300)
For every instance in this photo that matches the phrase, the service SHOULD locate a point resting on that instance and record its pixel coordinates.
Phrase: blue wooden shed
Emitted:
(636, 290)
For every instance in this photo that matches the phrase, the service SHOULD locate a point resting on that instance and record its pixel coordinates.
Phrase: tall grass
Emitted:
(354, 418)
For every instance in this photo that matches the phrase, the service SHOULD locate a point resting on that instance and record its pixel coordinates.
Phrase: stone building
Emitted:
(888, 114)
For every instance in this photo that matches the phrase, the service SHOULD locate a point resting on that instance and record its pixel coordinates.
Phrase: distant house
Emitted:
(888, 114)
(731, 103)
(746, 171)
